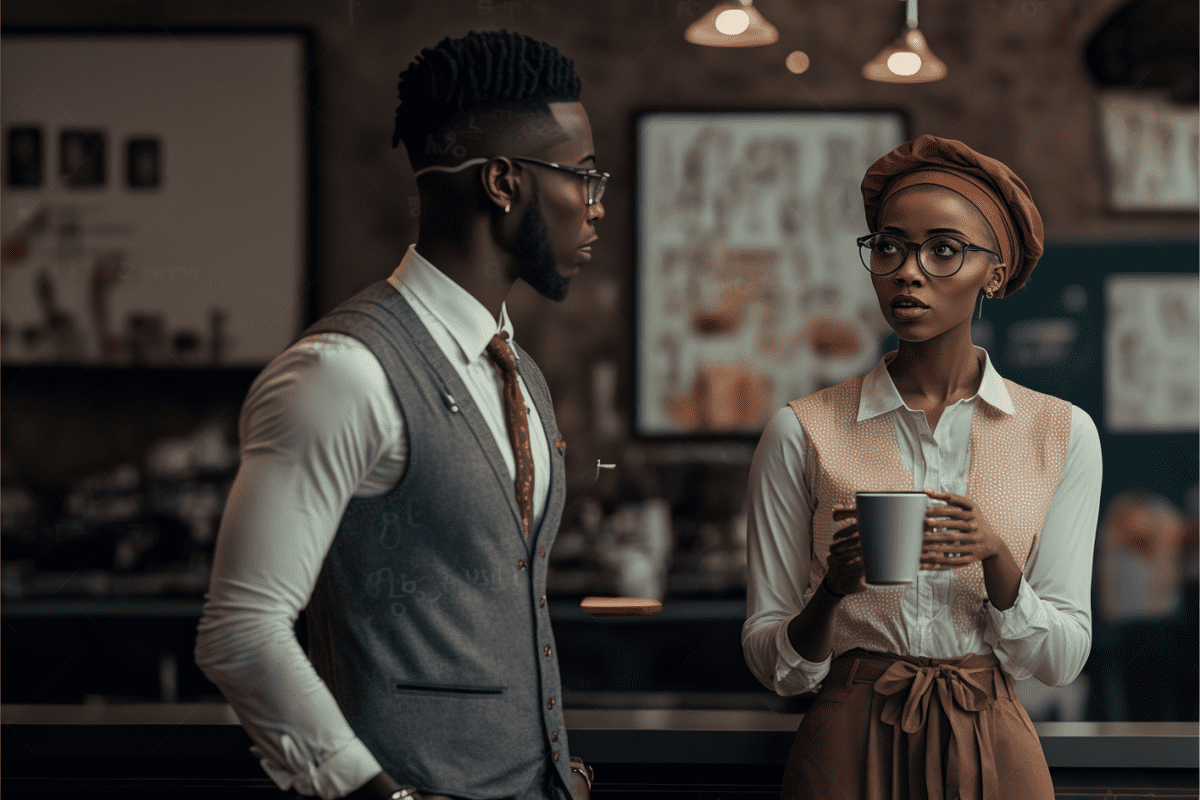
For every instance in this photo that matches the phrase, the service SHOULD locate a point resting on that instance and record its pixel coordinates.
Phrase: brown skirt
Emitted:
(889, 727)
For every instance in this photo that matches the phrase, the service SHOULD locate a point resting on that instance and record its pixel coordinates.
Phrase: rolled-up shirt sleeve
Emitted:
(1047, 632)
(778, 541)
(312, 427)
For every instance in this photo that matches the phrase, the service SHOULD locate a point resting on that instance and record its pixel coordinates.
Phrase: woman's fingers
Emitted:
(949, 512)
(932, 525)
(842, 512)
(951, 498)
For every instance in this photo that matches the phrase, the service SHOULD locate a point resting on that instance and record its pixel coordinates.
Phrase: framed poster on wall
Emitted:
(157, 206)
(1151, 369)
(750, 292)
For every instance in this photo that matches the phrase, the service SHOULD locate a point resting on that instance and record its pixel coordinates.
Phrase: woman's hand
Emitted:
(845, 572)
(956, 534)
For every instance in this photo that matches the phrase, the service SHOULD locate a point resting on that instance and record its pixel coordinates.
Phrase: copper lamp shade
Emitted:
(732, 24)
(907, 59)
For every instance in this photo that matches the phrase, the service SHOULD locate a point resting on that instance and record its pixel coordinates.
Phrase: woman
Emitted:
(916, 682)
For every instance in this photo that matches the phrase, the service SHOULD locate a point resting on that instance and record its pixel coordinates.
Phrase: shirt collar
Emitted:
(467, 320)
(879, 394)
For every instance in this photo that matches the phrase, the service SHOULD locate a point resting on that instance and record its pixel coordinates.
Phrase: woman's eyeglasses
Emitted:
(940, 256)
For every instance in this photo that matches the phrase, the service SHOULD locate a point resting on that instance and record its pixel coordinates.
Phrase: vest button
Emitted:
(546, 650)
(543, 552)
(556, 756)
(543, 603)
(554, 736)
(521, 563)
(551, 703)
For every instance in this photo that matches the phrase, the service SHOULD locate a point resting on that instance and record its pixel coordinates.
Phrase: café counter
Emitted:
(193, 750)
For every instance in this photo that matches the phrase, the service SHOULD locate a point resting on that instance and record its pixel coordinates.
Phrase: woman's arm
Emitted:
(778, 539)
(1047, 632)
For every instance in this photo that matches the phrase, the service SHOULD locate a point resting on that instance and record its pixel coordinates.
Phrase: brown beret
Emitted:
(992, 187)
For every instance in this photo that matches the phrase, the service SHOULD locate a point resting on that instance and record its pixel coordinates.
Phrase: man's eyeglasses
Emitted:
(939, 257)
(596, 180)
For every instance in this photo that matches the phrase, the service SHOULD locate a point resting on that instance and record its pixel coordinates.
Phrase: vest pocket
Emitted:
(450, 688)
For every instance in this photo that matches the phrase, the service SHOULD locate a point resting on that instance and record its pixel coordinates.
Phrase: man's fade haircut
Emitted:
(504, 80)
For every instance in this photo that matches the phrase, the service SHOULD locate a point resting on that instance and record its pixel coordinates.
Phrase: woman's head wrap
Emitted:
(1002, 197)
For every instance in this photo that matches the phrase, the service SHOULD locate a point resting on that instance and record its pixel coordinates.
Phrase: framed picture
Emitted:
(750, 291)
(121, 259)
(24, 157)
(81, 158)
(1152, 163)
(1151, 373)
(142, 163)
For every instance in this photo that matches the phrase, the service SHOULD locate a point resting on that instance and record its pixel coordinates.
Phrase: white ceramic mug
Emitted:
(891, 529)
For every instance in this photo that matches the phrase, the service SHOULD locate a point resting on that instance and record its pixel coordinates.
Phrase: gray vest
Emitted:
(428, 621)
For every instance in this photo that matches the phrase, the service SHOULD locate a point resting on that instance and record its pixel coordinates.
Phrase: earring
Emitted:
(989, 294)
(508, 208)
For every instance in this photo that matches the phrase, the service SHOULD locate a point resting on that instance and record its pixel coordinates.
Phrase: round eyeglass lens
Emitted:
(883, 254)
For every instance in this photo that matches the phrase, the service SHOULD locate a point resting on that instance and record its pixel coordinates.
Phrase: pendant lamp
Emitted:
(907, 59)
(732, 24)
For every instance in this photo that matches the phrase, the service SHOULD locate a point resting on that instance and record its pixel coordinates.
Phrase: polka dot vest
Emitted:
(1016, 465)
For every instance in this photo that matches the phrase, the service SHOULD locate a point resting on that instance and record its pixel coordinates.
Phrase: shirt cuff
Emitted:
(1024, 615)
(337, 776)
(789, 660)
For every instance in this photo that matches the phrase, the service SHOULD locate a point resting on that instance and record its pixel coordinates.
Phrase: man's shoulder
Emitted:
(332, 366)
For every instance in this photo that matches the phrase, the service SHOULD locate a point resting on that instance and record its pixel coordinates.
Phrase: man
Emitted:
(394, 479)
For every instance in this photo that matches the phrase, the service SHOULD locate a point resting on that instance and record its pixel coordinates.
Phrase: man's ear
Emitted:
(500, 182)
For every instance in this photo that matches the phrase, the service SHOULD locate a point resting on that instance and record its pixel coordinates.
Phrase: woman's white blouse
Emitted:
(1048, 630)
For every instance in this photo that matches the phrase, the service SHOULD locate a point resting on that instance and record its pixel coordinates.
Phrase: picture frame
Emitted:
(24, 158)
(1150, 160)
(81, 158)
(1151, 373)
(749, 291)
(143, 162)
(117, 265)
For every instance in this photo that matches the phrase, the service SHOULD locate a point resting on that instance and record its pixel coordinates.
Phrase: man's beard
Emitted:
(535, 259)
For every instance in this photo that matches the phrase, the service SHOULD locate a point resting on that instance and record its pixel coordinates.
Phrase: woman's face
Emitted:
(915, 214)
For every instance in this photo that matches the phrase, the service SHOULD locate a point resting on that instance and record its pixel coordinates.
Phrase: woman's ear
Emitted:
(999, 275)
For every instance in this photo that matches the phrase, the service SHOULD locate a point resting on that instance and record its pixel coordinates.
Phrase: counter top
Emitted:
(626, 735)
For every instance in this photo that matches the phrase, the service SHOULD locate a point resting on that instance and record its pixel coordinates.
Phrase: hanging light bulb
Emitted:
(735, 23)
(907, 59)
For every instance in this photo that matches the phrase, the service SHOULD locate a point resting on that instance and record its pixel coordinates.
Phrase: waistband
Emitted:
(868, 666)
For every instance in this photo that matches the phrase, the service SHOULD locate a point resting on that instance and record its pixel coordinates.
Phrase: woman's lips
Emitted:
(908, 312)
(586, 252)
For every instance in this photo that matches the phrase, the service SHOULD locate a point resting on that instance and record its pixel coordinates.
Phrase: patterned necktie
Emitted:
(518, 426)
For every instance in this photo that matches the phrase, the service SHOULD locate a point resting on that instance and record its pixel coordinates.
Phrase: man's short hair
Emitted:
(463, 94)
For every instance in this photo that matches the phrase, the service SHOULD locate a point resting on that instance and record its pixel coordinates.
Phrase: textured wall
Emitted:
(1017, 90)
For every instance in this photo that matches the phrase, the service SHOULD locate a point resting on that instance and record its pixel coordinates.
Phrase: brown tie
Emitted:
(518, 425)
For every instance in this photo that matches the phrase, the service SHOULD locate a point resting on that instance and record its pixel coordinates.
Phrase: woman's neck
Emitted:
(939, 370)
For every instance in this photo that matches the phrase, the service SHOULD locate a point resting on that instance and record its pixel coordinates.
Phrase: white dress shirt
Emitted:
(1047, 631)
(321, 425)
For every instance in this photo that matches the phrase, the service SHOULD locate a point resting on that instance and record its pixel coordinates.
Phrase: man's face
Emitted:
(556, 225)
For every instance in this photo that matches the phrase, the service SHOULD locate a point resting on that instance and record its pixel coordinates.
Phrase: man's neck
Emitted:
(473, 262)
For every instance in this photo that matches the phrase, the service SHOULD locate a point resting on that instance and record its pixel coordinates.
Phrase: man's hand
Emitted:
(579, 787)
